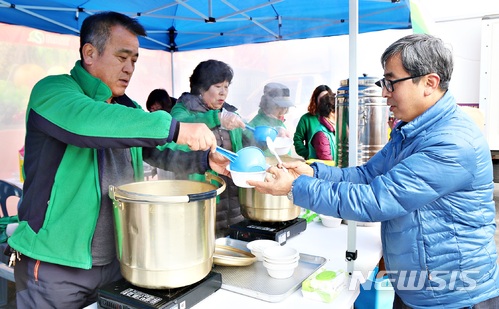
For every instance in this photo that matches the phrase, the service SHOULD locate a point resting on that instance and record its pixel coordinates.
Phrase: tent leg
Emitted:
(172, 75)
(353, 29)
(351, 254)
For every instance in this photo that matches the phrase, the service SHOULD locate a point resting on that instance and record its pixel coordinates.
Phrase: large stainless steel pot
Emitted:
(266, 207)
(165, 230)
(372, 120)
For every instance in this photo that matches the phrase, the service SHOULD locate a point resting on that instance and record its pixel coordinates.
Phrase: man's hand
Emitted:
(219, 163)
(297, 168)
(277, 182)
(197, 136)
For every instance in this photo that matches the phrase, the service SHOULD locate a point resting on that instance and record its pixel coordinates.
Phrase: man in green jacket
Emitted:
(82, 135)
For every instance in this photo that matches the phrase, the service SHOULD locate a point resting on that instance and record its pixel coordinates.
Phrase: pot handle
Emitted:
(112, 189)
(146, 198)
(210, 194)
(143, 198)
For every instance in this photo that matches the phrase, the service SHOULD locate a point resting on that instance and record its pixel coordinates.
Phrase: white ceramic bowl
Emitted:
(280, 253)
(240, 178)
(330, 221)
(282, 262)
(369, 224)
(257, 246)
(283, 145)
(280, 271)
(280, 266)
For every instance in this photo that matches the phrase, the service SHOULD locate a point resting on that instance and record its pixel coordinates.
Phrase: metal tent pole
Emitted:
(172, 93)
(353, 96)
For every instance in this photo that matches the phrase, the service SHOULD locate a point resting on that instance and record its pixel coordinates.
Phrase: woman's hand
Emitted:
(230, 120)
(283, 132)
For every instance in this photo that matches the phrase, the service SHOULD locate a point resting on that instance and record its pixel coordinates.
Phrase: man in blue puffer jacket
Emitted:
(431, 187)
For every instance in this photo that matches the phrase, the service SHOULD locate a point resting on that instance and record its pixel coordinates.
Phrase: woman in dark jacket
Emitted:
(206, 103)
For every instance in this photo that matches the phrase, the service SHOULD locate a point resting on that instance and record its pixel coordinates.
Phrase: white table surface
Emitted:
(330, 243)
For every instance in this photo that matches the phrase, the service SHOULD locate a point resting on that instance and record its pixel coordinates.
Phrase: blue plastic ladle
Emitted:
(261, 132)
(250, 159)
(232, 156)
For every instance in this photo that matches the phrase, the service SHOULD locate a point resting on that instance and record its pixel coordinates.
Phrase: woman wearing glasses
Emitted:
(431, 187)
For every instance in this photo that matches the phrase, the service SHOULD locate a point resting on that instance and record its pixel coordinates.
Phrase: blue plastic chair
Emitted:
(7, 190)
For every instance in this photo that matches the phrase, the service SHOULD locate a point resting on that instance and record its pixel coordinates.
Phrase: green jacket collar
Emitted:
(91, 86)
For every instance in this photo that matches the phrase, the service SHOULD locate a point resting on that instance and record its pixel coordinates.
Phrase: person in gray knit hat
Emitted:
(276, 94)
(274, 105)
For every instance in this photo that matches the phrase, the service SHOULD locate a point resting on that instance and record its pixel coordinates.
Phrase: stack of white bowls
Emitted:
(257, 246)
(280, 261)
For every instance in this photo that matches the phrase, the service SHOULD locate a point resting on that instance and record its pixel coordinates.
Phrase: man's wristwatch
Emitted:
(290, 194)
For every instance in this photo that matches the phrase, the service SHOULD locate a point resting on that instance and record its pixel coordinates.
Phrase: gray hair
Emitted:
(422, 54)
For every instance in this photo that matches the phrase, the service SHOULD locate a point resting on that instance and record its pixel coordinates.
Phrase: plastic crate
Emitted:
(375, 293)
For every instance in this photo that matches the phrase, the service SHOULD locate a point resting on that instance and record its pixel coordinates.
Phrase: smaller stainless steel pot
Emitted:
(266, 207)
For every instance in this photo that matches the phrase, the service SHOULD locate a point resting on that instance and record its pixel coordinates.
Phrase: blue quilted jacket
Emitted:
(431, 186)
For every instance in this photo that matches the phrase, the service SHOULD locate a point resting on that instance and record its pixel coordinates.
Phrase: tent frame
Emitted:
(261, 22)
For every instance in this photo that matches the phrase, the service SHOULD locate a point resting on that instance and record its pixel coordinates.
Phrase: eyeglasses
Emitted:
(388, 84)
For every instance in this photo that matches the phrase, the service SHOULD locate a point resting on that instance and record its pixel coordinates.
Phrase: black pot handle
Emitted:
(202, 196)
(210, 194)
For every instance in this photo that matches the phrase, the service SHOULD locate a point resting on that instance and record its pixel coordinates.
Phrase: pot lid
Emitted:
(364, 80)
